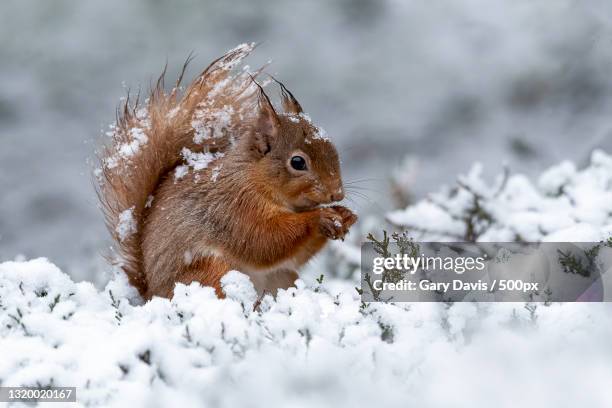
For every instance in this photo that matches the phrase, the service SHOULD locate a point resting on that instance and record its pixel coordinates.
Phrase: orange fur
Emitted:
(248, 209)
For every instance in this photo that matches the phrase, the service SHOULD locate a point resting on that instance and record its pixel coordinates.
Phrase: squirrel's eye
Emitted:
(298, 163)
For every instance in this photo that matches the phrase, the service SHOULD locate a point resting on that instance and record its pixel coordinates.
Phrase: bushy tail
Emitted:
(151, 139)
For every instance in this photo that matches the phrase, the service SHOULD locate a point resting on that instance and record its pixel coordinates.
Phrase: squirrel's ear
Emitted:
(267, 125)
(290, 104)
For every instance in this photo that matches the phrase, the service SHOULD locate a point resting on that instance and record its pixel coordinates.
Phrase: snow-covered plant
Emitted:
(566, 204)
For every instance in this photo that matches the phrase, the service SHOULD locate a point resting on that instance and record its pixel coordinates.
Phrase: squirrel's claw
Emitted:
(335, 221)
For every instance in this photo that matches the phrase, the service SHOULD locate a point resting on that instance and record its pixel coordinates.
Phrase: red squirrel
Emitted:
(213, 178)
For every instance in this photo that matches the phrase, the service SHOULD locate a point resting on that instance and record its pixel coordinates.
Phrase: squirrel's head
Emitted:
(294, 157)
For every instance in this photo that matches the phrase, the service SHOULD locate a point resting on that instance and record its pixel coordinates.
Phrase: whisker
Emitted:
(359, 188)
(368, 200)
(355, 203)
(357, 193)
(353, 181)
(362, 199)
(362, 196)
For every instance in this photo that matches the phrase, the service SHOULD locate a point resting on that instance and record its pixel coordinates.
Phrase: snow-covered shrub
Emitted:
(566, 205)
(309, 347)
(318, 345)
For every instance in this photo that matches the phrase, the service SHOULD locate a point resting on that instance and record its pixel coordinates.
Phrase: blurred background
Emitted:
(429, 87)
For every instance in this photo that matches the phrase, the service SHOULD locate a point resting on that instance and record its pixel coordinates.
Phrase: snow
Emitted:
(565, 204)
(139, 139)
(199, 161)
(318, 134)
(127, 224)
(180, 172)
(310, 347)
(210, 123)
(556, 177)
(244, 48)
(237, 286)
(318, 345)
(216, 171)
(321, 134)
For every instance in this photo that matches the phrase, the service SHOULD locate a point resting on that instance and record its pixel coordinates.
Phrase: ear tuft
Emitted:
(290, 104)
(267, 124)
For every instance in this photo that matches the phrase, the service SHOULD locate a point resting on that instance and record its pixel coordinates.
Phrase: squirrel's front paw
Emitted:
(348, 217)
(335, 221)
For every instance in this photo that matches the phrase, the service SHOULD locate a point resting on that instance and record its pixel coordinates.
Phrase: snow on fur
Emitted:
(127, 224)
(317, 345)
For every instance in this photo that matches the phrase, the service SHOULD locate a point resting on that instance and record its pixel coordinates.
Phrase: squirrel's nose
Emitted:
(337, 195)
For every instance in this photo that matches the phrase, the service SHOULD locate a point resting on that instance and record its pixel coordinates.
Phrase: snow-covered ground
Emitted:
(317, 345)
